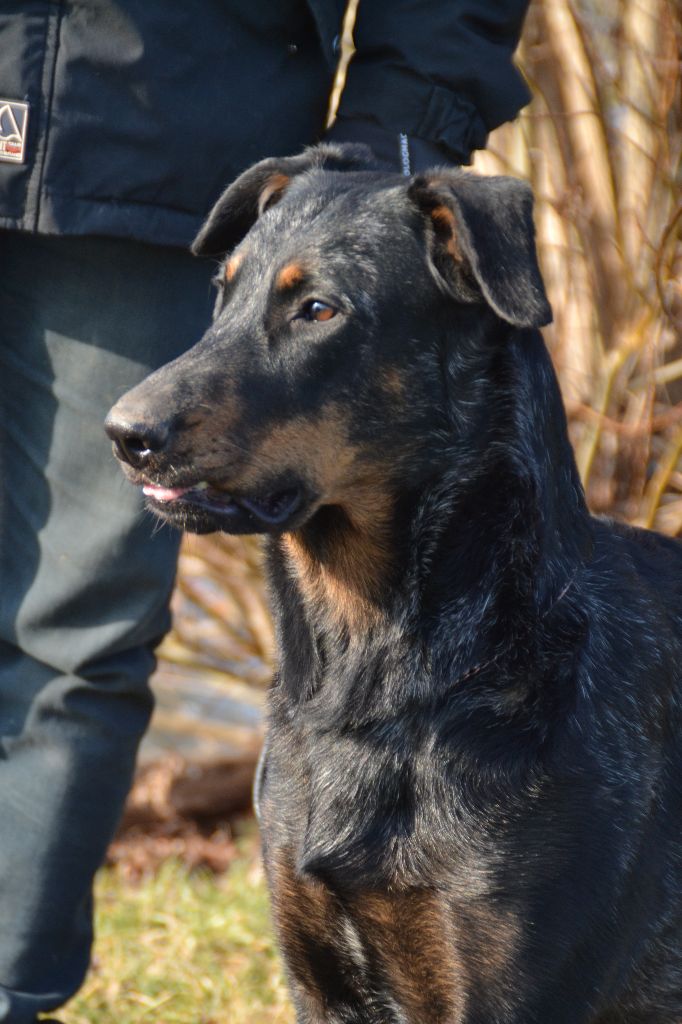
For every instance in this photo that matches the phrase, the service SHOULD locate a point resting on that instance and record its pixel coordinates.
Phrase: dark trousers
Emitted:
(85, 579)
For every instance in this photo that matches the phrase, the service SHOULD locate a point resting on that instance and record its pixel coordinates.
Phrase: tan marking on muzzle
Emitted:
(316, 447)
(347, 577)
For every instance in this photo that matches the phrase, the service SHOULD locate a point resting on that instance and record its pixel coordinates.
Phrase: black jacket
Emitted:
(140, 112)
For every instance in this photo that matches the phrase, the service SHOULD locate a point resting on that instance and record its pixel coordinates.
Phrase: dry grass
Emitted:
(184, 948)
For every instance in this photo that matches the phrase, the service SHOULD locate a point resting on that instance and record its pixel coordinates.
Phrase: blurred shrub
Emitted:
(601, 145)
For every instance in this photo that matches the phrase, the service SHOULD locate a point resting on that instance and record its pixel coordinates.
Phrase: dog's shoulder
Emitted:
(630, 666)
(654, 553)
(645, 561)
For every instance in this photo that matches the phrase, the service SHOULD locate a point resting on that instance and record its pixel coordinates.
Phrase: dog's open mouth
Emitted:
(271, 510)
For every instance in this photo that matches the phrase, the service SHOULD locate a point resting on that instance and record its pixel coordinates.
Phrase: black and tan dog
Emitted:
(472, 796)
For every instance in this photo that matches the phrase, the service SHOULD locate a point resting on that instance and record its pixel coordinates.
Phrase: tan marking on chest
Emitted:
(307, 918)
(407, 939)
(412, 936)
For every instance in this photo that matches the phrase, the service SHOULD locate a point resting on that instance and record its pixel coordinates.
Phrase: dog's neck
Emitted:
(467, 566)
(516, 498)
(343, 563)
(509, 546)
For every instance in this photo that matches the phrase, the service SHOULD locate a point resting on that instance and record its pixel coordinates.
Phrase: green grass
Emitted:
(184, 948)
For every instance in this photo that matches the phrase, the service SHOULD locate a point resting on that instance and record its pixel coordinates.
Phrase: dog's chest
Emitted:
(374, 887)
(379, 955)
(357, 809)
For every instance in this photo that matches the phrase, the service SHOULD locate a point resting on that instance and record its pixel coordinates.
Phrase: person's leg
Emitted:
(85, 578)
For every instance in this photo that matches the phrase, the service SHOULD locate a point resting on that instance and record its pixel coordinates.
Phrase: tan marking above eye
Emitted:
(289, 276)
(233, 266)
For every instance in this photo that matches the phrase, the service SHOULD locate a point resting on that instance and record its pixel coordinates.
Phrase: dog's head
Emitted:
(321, 381)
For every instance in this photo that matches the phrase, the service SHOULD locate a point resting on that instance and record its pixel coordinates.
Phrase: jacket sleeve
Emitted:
(437, 72)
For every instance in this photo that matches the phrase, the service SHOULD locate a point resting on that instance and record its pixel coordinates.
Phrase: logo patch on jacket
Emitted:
(13, 123)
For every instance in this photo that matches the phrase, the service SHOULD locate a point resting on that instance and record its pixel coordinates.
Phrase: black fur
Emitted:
(472, 792)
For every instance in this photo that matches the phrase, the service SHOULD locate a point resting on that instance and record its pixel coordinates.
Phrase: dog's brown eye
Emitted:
(317, 311)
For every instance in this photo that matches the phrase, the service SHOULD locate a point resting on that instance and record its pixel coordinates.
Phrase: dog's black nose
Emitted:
(136, 443)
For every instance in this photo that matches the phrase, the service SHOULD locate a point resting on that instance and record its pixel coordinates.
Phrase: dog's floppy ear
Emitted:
(263, 185)
(485, 225)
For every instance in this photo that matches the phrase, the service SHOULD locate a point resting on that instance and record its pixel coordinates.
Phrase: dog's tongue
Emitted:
(164, 493)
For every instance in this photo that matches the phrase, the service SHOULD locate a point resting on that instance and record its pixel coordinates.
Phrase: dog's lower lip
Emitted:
(272, 509)
(166, 494)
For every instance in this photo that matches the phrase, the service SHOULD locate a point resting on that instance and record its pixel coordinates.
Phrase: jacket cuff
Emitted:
(394, 150)
(407, 104)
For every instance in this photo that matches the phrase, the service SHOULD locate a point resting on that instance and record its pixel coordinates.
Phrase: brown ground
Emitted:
(184, 809)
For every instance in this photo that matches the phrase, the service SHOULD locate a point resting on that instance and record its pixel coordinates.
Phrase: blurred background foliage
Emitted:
(601, 144)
